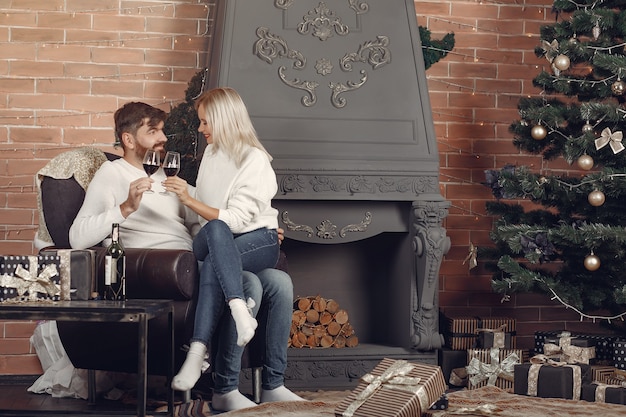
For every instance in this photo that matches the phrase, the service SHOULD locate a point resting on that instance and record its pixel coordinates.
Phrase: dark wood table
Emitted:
(130, 311)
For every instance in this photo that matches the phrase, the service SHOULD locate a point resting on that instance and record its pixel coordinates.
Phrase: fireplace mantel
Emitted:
(338, 94)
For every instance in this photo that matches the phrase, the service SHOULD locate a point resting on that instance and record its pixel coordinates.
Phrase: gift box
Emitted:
(571, 349)
(546, 378)
(460, 333)
(449, 360)
(441, 404)
(29, 278)
(603, 393)
(619, 353)
(493, 367)
(604, 347)
(394, 388)
(77, 268)
(497, 332)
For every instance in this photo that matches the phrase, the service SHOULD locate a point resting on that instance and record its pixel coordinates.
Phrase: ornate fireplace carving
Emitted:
(338, 94)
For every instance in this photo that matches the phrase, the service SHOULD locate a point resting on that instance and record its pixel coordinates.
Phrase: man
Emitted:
(117, 194)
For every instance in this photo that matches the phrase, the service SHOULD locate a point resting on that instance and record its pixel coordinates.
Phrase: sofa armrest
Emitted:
(156, 273)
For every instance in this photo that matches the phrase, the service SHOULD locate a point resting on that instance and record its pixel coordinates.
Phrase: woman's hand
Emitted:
(177, 186)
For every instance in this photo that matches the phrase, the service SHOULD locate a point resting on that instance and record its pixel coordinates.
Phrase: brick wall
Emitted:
(67, 65)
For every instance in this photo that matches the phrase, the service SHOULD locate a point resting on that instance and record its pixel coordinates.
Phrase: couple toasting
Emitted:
(226, 219)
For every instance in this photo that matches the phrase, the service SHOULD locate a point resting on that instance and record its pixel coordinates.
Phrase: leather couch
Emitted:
(151, 274)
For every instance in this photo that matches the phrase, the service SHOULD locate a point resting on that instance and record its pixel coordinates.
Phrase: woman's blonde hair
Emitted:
(228, 116)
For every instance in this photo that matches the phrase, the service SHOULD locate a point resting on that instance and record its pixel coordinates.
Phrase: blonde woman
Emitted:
(234, 190)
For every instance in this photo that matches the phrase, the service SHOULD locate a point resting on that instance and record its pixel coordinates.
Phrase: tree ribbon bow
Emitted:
(394, 378)
(479, 371)
(613, 138)
(28, 280)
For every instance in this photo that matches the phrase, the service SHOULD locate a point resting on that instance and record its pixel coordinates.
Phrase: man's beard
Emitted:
(141, 151)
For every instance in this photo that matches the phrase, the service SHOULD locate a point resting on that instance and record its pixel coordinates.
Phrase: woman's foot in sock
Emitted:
(233, 400)
(244, 322)
(191, 370)
(281, 393)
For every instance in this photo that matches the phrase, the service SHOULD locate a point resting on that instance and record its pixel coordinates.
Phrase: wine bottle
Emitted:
(115, 268)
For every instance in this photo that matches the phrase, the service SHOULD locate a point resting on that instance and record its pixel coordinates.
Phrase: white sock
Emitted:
(245, 323)
(233, 400)
(191, 370)
(281, 393)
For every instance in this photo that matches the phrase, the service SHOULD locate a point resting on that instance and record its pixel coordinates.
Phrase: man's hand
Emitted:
(281, 235)
(135, 193)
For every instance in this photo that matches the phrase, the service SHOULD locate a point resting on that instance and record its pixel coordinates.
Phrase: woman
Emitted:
(234, 190)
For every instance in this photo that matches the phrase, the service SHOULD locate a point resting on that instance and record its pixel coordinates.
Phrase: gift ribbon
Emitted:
(613, 138)
(65, 270)
(394, 378)
(479, 371)
(481, 410)
(538, 361)
(569, 353)
(36, 283)
(499, 337)
(601, 390)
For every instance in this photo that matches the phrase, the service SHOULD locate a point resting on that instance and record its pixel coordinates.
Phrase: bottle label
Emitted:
(110, 271)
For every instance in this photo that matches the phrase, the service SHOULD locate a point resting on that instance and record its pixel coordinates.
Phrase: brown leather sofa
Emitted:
(151, 274)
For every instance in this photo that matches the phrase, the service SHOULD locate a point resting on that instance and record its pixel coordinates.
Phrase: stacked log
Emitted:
(320, 322)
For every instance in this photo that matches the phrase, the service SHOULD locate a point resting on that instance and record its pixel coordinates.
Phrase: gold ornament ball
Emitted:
(592, 262)
(596, 198)
(561, 62)
(538, 132)
(585, 162)
(618, 87)
(587, 128)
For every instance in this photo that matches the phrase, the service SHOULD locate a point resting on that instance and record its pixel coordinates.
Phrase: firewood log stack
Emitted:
(320, 322)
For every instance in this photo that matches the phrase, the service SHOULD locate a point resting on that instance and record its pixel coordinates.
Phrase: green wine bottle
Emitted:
(115, 268)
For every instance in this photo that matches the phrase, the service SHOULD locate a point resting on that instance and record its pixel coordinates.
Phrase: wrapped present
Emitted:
(604, 347)
(78, 270)
(497, 332)
(441, 404)
(568, 348)
(461, 333)
(604, 393)
(547, 378)
(458, 377)
(602, 373)
(493, 367)
(29, 278)
(394, 388)
(540, 339)
(619, 353)
(449, 360)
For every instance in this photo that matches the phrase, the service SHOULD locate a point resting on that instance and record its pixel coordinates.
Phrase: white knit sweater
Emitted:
(160, 222)
(242, 194)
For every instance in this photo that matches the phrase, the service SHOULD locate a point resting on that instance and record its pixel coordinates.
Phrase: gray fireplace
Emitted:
(338, 94)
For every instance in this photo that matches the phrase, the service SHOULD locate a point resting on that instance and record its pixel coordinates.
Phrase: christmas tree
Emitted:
(571, 243)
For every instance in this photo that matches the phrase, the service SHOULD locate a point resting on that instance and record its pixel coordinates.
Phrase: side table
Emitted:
(130, 311)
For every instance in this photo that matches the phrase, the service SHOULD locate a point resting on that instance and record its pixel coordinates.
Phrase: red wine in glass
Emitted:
(151, 163)
(171, 165)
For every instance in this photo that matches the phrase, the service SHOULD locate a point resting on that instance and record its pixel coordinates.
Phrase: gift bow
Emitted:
(35, 283)
(393, 377)
(614, 139)
(569, 353)
(479, 371)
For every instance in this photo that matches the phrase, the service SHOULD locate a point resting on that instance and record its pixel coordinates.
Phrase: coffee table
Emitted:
(130, 311)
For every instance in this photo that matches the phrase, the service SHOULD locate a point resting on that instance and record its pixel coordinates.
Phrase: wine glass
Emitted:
(151, 163)
(171, 166)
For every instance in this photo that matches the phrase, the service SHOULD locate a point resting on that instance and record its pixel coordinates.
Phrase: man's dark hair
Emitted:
(131, 116)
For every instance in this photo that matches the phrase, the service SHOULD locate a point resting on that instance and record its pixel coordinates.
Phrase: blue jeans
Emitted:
(224, 256)
(272, 290)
